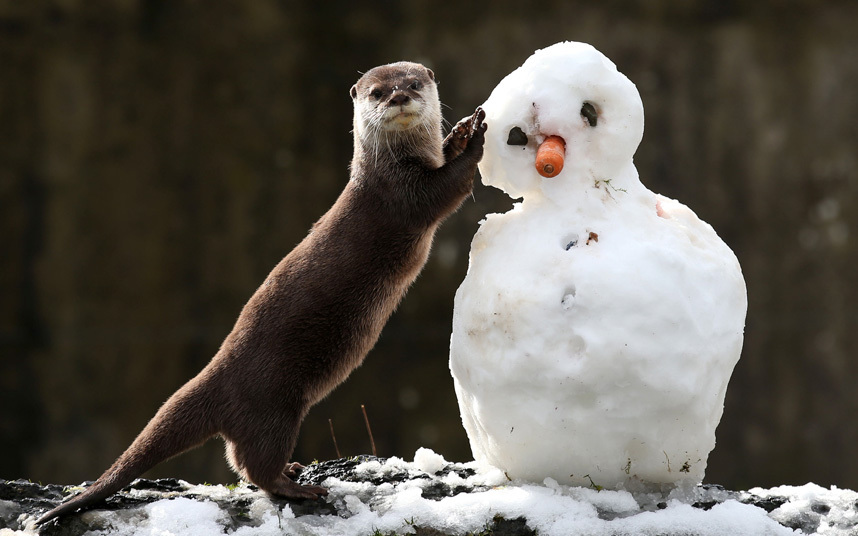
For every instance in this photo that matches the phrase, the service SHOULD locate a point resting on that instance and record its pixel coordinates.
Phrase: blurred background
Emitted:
(158, 157)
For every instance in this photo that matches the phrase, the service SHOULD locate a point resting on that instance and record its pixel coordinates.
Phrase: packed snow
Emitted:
(374, 506)
(599, 323)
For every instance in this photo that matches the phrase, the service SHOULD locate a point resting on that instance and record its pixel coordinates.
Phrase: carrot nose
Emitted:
(550, 156)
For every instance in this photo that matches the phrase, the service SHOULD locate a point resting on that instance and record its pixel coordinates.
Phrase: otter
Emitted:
(322, 308)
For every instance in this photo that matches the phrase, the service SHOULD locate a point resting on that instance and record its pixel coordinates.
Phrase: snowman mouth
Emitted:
(550, 156)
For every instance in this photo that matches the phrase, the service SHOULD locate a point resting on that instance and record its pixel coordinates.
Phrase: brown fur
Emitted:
(322, 308)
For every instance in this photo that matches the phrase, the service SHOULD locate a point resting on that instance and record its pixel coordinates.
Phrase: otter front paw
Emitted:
(467, 132)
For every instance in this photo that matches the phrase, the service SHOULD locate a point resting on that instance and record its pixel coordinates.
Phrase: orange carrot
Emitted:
(550, 156)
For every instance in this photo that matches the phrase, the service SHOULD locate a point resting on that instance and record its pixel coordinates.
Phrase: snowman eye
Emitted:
(516, 137)
(588, 112)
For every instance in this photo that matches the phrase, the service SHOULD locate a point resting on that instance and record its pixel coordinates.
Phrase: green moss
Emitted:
(593, 484)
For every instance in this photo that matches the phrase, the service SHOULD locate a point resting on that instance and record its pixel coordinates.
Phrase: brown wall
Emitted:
(158, 157)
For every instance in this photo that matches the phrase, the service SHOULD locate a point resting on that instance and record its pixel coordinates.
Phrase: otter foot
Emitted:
(293, 469)
(288, 489)
(462, 133)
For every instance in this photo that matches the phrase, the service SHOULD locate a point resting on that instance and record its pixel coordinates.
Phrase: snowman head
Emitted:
(569, 90)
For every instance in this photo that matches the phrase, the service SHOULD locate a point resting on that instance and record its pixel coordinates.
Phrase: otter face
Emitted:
(396, 97)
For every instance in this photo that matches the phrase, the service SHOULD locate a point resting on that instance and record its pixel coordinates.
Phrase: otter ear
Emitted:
(353, 92)
(430, 73)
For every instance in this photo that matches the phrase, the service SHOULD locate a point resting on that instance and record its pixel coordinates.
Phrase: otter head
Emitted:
(398, 98)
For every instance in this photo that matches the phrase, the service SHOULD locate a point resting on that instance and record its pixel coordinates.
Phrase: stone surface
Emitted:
(807, 509)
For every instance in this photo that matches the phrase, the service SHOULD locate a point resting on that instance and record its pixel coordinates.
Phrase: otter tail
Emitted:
(183, 422)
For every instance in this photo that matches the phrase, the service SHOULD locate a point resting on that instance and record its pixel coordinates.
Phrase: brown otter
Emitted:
(323, 306)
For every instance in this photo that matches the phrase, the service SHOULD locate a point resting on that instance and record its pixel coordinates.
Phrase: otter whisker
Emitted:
(266, 375)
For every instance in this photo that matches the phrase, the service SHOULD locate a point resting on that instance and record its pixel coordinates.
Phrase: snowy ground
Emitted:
(397, 497)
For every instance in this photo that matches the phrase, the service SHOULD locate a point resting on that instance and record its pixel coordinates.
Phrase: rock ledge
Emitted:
(431, 497)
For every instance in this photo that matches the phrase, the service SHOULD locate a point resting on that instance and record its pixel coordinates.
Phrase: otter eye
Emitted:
(588, 112)
(375, 94)
(516, 137)
(415, 85)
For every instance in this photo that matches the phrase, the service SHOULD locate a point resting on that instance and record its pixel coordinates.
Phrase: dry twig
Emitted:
(368, 430)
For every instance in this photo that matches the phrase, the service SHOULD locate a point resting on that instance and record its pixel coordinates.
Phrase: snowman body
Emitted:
(599, 323)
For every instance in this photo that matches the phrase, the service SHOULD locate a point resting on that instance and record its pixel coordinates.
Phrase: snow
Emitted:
(599, 323)
(428, 461)
(183, 516)
(549, 508)
(812, 501)
(593, 340)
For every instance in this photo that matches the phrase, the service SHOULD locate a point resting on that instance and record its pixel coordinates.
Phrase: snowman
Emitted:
(596, 330)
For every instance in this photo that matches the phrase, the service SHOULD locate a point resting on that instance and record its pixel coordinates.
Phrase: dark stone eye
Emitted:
(516, 137)
(588, 112)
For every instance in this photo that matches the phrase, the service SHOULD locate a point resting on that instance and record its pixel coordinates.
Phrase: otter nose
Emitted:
(399, 99)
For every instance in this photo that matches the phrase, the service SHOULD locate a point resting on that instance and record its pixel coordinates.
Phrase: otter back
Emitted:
(322, 308)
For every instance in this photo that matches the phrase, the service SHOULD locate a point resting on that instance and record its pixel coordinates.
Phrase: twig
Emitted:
(369, 430)
(331, 424)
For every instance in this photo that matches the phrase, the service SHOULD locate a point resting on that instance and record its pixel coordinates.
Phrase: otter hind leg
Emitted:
(262, 462)
(278, 480)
